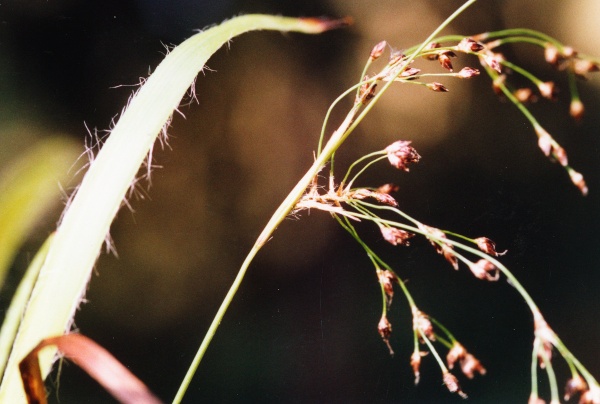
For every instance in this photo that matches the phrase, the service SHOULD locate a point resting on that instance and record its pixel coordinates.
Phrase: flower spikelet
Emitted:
(401, 154)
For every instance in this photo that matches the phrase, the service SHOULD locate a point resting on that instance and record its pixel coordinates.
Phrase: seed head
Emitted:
(579, 182)
(485, 270)
(432, 45)
(525, 95)
(451, 383)
(401, 154)
(445, 248)
(546, 337)
(415, 362)
(467, 73)
(385, 330)
(395, 236)
(386, 279)
(471, 365)
(456, 353)
(534, 399)
(551, 54)
(377, 50)
(550, 148)
(438, 87)
(469, 45)
(422, 323)
(592, 396)
(493, 60)
(388, 188)
(576, 109)
(498, 83)
(575, 385)
(444, 59)
(548, 90)
(582, 66)
(487, 246)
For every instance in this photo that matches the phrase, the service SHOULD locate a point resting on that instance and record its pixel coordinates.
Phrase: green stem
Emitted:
(334, 142)
(522, 72)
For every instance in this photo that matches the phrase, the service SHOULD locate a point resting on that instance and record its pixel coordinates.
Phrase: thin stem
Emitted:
(368, 156)
(434, 352)
(534, 381)
(405, 64)
(369, 164)
(334, 142)
(522, 72)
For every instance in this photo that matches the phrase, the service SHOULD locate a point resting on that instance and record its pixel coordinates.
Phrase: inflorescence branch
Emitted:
(349, 204)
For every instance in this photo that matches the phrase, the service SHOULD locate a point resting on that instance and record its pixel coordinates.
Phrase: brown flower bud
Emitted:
(456, 353)
(592, 396)
(395, 236)
(551, 54)
(388, 188)
(498, 83)
(438, 87)
(422, 323)
(445, 248)
(377, 50)
(487, 246)
(548, 90)
(467, 73)
(534, 399)
(485, 270)
(386, 279)
(401, 154)
(432, 45)
(366, 91)
(410, 72)
(469, 45)
(361, 193)
(493, 60)
(444, 59)
(576, 109)
(525, 95)
(575, 385)
(582, 66)
(385, 330)
(415, 362)
(384, 198)
(546, 337)
(451, 383)
(569, 52)
(579, 182)
(549, 146)
(471, 365)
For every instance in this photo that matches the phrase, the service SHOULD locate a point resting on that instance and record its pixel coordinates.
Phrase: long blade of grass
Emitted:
(65, 274)
(15, 311)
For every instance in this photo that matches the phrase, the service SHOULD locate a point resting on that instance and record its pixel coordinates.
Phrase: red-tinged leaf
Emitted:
(95, 361)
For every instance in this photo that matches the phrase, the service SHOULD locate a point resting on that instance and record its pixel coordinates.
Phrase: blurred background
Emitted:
(303, 327)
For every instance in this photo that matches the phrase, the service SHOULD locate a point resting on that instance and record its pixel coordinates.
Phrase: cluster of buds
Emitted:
(568, 59)
(401, 154)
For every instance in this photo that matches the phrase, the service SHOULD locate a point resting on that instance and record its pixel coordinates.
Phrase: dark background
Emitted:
(303, 327)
